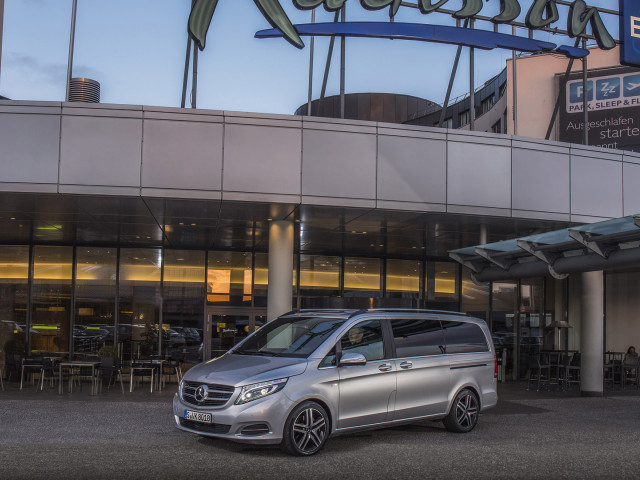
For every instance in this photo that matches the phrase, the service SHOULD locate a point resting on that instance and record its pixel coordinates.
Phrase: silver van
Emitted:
(310, 374)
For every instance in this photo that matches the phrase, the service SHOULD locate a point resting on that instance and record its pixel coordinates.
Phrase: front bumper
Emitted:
(239, 423)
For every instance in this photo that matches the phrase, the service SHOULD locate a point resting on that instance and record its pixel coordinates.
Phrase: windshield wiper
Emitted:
(263, 353)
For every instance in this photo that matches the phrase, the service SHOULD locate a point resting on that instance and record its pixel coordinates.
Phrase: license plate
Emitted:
(198, 416)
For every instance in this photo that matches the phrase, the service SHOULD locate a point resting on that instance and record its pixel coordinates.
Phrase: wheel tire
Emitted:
(306, 430)
(463, 416)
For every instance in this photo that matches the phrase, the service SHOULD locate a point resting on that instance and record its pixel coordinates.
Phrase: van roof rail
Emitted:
(416, 310)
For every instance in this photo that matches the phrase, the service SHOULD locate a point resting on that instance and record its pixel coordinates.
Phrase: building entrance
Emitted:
(227, 326)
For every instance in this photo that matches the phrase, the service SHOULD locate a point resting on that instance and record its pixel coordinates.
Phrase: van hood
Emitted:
(238, 370)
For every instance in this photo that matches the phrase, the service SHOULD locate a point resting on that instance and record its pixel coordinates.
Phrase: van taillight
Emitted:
(495, 366)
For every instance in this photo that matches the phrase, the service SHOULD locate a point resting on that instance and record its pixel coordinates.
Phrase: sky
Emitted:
(136, 50)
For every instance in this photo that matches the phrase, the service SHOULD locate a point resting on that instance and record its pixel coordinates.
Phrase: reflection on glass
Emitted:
(14, 275)
(229, 278)
(531, 326)
(261, 279)
(95, 299)
(183, 307)
(51, 299)
(475, 298)
(140, 270)
(403, 276)
(445, 281)
(362, 277)
(319, 275)
(504, 309)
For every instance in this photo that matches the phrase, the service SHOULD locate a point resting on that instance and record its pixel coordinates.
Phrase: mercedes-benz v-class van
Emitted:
(311, 374)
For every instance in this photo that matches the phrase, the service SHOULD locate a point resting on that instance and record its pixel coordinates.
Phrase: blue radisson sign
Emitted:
(541, 14)
(630, 32)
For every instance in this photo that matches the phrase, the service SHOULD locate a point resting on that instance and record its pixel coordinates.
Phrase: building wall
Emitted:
(536, 88)
(175, 153)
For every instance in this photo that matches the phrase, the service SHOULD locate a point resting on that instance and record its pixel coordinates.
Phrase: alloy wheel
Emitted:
(467, 410)
(309, 430)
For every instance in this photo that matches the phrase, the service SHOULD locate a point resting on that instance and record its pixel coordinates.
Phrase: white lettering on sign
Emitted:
(635, 27)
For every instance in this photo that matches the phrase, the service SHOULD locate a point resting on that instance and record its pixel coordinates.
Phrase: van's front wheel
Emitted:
(306, 429)
(464, 412)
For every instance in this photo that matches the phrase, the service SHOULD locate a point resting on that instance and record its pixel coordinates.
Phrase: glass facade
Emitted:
(188, 304)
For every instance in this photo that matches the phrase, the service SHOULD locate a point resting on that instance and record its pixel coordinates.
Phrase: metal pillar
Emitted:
(342, 65)
(585, 96)
(1, 25)
(472, 90)
(454, 69)
(311, 48)
(72, 37)
(515, 85)
(280, 291)
(329, 56)
(591, 333)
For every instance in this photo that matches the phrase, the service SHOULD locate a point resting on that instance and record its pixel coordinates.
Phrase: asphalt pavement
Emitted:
(530, 434)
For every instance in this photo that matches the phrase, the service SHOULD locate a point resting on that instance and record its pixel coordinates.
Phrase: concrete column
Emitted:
(592, 333)
(279, 293)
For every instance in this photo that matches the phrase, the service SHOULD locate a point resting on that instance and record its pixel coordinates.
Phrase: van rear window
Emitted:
(462, 337)
(415, 338)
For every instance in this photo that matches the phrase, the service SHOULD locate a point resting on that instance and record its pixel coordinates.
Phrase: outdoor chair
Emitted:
(172, 367)
(141, 369)
(30, 366)
(49, 372)
(571, 370)
(630, 375)
(12, 365)
(111, 371)
(539, 370)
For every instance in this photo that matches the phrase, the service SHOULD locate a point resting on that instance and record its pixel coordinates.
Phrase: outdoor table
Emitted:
(93, 364)
(141, 365)
(159, 363)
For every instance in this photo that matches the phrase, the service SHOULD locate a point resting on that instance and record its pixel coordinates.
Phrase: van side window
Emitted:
(364, 338)
(414, 338)
(329, 360)
(462, 337)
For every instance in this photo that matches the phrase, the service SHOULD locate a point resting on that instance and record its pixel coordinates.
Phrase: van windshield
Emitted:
(289, 337)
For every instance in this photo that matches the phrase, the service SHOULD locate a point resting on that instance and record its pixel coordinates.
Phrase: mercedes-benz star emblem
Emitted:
(201, 393)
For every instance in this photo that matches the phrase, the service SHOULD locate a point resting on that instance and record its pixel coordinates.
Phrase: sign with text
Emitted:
(630, 32)
(613, 97)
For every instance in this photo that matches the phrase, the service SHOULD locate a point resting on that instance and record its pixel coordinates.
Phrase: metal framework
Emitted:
(596, 246)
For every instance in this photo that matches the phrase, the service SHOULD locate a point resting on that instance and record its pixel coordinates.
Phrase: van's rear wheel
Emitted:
(306, 429)
(464, 412)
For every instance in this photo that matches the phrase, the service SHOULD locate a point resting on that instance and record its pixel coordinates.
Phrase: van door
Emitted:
(423, 376)
(365, 390)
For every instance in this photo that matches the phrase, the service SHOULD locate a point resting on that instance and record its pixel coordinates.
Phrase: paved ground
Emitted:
(545, 435)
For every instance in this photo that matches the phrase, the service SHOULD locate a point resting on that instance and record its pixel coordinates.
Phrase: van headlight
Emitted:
(260, 390)
(180, 388)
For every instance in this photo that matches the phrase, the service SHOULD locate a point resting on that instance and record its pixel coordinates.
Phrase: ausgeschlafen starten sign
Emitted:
(541, 14)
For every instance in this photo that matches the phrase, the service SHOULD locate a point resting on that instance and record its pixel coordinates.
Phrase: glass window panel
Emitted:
(462, 337)
(261, 279)
(229, 278)
(503, 313)
(366, 339)
(183, 304)
(414, 338)
(95, 299)
(319, 276)
(403, 277)
(531, 323)
(14, 276)
(51, 299)
(140, 271)
(445, 281)
(475, 298)
(362, 277)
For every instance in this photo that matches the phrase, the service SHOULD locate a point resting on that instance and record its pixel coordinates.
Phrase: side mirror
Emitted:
(351, 359)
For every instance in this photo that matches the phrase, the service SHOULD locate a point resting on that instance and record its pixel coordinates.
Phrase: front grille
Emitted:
(255, 429)
(205, 427)
(217, 396)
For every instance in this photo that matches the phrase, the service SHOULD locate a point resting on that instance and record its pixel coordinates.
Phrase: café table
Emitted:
(71, 364)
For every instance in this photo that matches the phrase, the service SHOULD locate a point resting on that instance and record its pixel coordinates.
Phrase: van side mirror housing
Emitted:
(351, 359)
